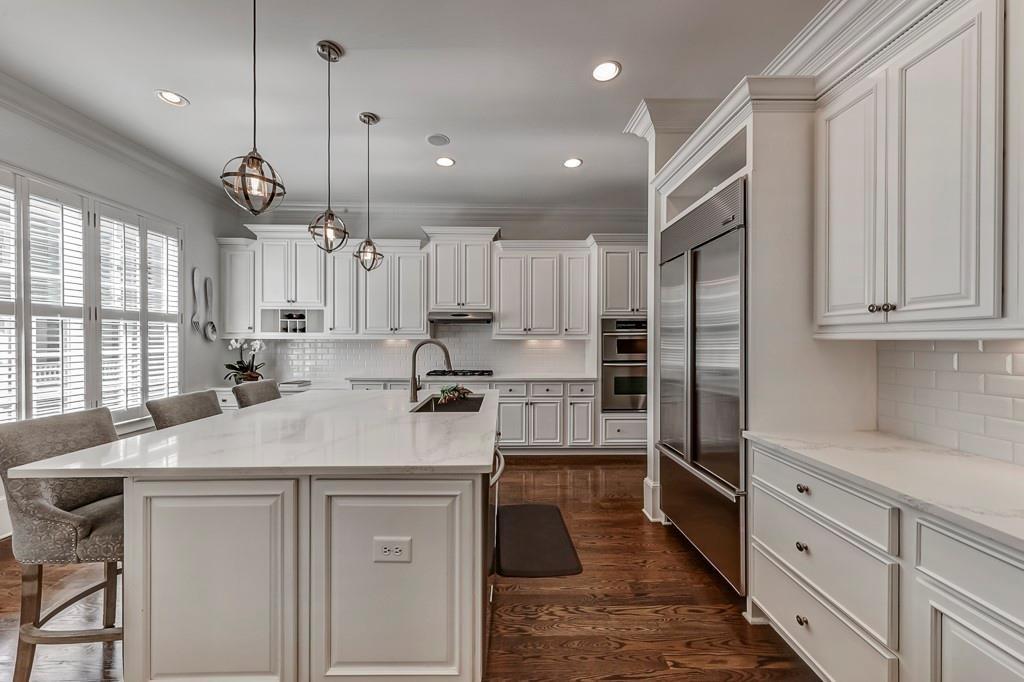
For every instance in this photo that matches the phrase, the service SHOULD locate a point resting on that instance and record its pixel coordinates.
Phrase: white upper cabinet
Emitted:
(460, 276)
(850, 213)
(510, 317)
(576, 294)
(909, 188)
(529, 293)
(623, 280)
(944, 159)
(342, 288)
(393, 297)
(543, 296)
(238, 289)
(291, 273)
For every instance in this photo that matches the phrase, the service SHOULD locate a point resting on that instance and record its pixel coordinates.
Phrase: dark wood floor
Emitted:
(645, 607)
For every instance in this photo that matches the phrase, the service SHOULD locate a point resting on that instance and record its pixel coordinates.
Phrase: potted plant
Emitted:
(242, 369)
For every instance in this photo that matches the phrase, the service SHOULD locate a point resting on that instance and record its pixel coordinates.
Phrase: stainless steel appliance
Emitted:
(701, 380)
(460, 317)
(624, 365)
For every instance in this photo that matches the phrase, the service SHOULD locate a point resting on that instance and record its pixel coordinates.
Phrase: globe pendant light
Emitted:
(367, 253)
(328, 230)
(250, 181)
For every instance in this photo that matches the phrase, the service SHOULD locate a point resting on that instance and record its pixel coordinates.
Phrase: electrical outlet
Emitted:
(392, 549)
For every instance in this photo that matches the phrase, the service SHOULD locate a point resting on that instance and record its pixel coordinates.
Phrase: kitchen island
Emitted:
(330, 535)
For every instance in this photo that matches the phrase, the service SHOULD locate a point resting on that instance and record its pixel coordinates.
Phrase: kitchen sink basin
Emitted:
(470, 404)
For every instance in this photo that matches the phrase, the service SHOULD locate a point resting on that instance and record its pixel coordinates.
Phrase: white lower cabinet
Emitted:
(390, 620)
(581, 421)
(867, 588)
(619, 428)
(512, 423)
(545, 419)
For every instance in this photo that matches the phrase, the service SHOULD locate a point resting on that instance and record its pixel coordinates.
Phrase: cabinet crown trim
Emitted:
(486, 233)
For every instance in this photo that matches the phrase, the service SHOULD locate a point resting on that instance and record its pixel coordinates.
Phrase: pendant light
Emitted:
(327, 229)
(367, 253)
(250, 181)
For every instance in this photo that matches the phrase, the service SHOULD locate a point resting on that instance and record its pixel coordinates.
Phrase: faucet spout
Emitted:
(414, 380)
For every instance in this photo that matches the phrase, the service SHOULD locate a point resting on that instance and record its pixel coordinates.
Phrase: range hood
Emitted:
(460, 317)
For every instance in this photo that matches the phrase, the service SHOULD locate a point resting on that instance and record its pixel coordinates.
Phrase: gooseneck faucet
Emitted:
(414, 380)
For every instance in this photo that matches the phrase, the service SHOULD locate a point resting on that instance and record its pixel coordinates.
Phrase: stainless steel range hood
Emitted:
(460, 317)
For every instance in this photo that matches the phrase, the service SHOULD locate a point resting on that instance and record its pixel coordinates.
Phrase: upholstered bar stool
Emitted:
(255, 392)
(181, 409)
(61, 521)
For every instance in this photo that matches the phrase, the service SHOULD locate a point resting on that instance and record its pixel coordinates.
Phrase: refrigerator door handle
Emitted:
(717, 486)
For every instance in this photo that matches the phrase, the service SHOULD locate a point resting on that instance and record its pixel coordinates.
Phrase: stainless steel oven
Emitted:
(624, 365)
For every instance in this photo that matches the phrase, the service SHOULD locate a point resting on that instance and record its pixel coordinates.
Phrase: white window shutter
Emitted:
(8, 297)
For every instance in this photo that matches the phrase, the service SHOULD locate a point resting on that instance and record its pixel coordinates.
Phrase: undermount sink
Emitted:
(469, 404)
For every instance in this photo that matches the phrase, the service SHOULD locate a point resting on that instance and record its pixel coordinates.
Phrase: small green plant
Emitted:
(242, 369)
(450, 394)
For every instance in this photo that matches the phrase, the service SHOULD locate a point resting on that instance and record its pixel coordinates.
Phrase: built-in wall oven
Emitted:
(624, 365)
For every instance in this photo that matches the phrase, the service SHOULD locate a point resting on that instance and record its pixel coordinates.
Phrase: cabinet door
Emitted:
(275, 273)
(576, 295)
(545, 422)
(475, 275)
(444, 277)
(581, 422)
(640, 283)
(543, 288)
(849, 207)
(308, 273)
(944, 169)
(511, 295)
(410, 293)
(343, 274)
(375, 298)
(238, 273)
(512, 422)
(617, 281)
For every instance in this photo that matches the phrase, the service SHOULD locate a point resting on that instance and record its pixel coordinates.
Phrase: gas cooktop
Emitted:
(460, 373)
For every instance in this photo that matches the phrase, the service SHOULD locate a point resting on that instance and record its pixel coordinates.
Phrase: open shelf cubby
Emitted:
(292, 321)
(723, 166)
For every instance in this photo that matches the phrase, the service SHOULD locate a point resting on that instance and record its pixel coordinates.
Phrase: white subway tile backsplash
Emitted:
(959, 394)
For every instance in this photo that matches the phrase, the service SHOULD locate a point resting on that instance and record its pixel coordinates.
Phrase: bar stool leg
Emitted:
(109, 594)
(31, 603)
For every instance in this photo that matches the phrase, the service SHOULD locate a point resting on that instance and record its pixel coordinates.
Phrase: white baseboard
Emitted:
(652, 502)
(561, 452)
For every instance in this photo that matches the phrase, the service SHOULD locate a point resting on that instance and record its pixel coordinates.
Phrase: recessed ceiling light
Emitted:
(445, 162)
(438, 139)
(172, 98)
(606, 71)
(573, 163)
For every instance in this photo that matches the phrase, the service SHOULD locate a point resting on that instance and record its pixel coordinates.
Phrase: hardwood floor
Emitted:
(646, 607)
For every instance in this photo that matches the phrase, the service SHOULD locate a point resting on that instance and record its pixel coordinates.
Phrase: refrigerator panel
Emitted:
(711, 520)
(716, 412)
(672, 354)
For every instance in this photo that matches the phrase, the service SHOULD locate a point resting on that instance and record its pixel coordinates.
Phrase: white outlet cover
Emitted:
(394, 549)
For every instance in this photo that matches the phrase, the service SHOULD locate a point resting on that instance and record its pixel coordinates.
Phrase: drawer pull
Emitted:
(801, 547)
(801, 621)
(803, 489)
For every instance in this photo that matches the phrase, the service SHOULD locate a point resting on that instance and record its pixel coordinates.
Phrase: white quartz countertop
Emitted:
(314, 433)
(979, 493)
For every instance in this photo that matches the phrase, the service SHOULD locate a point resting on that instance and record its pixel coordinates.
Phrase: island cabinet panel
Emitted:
(390, 620)
(194, 545)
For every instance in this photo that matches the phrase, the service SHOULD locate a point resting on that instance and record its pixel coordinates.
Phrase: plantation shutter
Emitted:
(8, 296)
(120, 328)
(163, 324)
(56, 296)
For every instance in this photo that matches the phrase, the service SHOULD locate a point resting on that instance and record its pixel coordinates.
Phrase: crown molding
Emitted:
(480, 213)
(28, 102)
(488, 233)
(673, 116)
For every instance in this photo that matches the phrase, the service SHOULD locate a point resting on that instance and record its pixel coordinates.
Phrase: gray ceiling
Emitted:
(508, 80)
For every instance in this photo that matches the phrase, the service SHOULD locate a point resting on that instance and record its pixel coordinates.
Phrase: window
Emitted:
(88, 303)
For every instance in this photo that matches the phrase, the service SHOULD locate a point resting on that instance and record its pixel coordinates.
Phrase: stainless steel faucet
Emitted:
(414, 380)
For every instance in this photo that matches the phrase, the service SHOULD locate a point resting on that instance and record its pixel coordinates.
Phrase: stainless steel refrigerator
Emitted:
(701, 380)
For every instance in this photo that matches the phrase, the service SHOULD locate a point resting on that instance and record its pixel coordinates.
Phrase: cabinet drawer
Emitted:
(367, 386)
(972, 569)
(584, 390)
(827, 561)
(621, 430)
(834, 646)
(872, 520)
(515, 390)
(547, 390)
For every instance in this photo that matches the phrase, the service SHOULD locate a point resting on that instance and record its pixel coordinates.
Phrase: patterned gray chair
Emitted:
(181, 409)
(61, 521)
(255, 392)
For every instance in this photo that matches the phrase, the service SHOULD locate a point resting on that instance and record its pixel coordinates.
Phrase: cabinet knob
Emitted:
(801, 547)
(888, 307)
(547, 390)
(249, 328)
(801, 621)
(803, 489)
(618, 430)
(874, 308)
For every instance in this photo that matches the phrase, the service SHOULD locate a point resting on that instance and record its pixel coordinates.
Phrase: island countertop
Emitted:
(314, 433)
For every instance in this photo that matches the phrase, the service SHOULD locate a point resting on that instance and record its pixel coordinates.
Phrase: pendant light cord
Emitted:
(367, 180)
(254, 75)
(328, 135)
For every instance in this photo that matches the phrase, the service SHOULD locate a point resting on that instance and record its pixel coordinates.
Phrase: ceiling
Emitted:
(508, 80)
